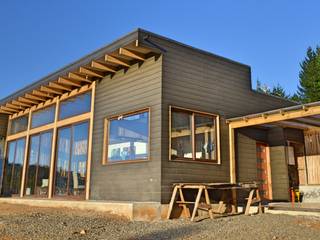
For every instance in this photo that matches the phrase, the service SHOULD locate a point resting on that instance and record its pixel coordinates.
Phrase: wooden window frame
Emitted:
(39, 109)
(106, 128)
(193, 112)
(54, 126)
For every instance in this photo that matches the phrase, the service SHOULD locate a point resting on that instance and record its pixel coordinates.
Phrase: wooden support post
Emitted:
(184, 205)
(173, 198)
(196, 204)
(247, 211)
(208, 202)
(93, 93)
(25, 160)
(232, 156)
(53, 150)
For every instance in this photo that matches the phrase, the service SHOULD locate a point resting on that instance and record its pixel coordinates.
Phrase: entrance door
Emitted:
(263, 171)
(71, 161)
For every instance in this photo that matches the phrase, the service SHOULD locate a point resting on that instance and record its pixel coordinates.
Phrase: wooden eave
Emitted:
(107, 64)
(304, 117)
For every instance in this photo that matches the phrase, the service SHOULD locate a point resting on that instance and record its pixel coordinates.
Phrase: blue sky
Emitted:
(38, 37)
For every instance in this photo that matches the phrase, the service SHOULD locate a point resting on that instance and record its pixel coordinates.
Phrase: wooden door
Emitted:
(263, 171)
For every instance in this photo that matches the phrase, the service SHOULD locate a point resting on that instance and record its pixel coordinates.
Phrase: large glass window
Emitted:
(75, 106)
(193, 135)
(38, 168)
(43, 116)
(13, 167)
(72, 154)
(19, 124)
(128, 137)
(181, 134)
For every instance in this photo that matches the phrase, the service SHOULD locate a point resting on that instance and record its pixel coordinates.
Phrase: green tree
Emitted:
(279, 91)
(309, 76)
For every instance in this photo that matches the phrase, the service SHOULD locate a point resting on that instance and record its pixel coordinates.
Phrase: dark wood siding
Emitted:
(201, 81)
(138, 88)
(3, 125)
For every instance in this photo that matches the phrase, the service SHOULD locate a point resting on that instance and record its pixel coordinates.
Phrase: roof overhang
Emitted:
(304, 117)
(104, 62)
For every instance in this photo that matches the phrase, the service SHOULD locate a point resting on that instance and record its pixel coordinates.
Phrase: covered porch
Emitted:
(280, 149)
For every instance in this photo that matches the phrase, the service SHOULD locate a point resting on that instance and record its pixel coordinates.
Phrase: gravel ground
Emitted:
(25, 222)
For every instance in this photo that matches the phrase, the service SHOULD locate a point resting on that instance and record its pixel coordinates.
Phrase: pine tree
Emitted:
(279, 91)
(309, 76)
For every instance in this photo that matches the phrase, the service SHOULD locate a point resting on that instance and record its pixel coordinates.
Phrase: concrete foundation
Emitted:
(139, 211)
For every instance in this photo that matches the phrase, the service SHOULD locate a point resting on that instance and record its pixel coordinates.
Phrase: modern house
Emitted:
(126, 121)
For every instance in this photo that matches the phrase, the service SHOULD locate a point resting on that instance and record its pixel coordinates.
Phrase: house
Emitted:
(126, 121)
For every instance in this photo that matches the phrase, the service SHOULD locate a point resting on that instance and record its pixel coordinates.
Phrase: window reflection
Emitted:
(13, 167)
(205, 137)
(19, 124)
(129, 137)
(70, 176)
(181, 134)
(75, 106)
(43, 116)
(37, 181)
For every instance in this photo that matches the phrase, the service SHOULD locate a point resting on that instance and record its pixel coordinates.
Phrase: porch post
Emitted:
(232, 155)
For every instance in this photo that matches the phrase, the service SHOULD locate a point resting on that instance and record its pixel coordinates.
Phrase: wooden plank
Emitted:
(196, 205)
(7, 109)
(89, 160)
(132, 54)
(21, 103)
(91, 72)
(173, 198)
(118, 61)
(51, 90)
(68, 81)
(42, 94)
(102, 67)
(79, 77)
(60, 86)
(13, 106)
(232, 155)
(35, 97)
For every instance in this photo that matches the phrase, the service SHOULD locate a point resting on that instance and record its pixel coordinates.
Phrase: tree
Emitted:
(279, 91)
(263, 88)
(309, 76)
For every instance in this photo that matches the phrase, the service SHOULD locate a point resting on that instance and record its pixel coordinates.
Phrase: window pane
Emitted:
(63, 157)
(78, 167)
(19, 124)
(8, 167)
(39, 164)
(32, 164)
(129, 137)
(43, 117)
(75, 106)
(205, 137)
(44, 164)
(181, 134)
(18, 163)
(13, 167)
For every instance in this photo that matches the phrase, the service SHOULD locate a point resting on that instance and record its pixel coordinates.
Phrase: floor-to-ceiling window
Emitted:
(38, 168)
(13, 167)
(71, 160)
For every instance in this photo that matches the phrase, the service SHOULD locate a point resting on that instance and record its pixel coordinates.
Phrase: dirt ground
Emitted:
(25, 222)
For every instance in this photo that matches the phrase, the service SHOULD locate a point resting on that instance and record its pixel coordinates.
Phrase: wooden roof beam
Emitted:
(114, 60)
(42, 94)
(51, 90)
(5, 112)
(79, 77)
(60, 86)
(132, 54)
(69, 82)
(34, 97)
(13, 106)
(9, 109)
(90, 72)
(102, 67)
(18, 103)
(27, 100)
